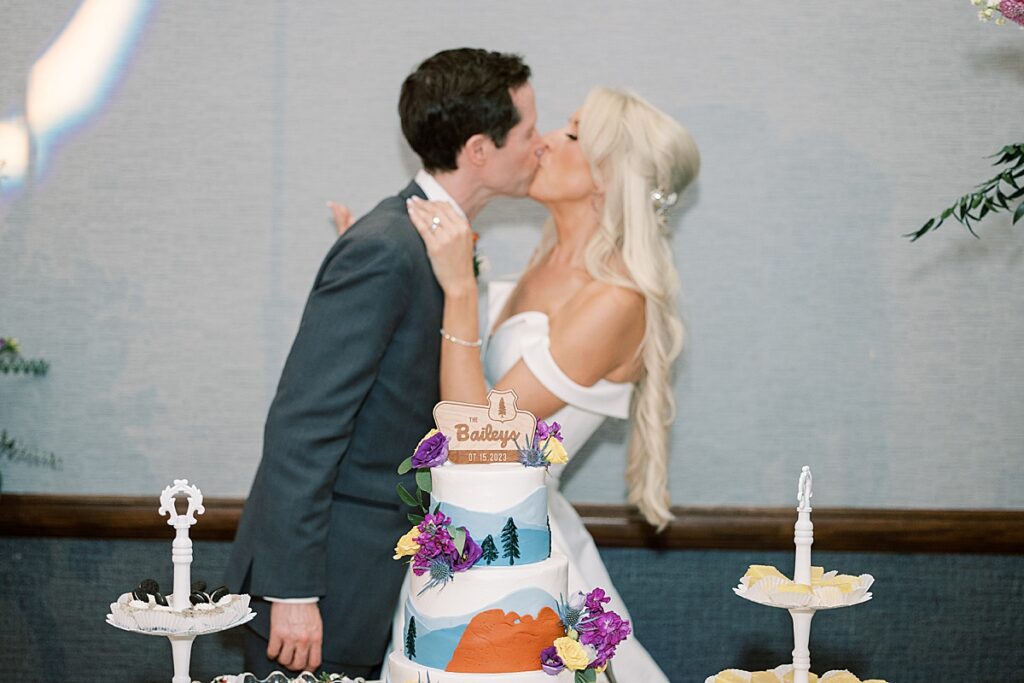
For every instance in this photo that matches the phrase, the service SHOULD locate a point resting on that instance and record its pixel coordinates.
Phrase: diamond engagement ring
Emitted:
(435, 223)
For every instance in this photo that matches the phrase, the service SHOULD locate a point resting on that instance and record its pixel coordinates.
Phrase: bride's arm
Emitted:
(594, 335)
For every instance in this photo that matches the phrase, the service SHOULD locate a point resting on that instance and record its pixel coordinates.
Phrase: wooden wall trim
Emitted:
(740, 528)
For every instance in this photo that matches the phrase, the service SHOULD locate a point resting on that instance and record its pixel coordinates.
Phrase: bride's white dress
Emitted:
(525, 336)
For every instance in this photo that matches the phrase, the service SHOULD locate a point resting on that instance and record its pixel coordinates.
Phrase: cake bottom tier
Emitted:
(401, 670)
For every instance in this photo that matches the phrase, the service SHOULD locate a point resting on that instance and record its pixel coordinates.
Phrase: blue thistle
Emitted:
(570, 615)
(532, 457)
(440, 574)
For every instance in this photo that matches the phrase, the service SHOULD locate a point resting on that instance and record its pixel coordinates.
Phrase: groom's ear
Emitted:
(477, 150)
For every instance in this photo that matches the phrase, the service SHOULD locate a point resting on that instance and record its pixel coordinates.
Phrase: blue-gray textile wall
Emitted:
(163, 215)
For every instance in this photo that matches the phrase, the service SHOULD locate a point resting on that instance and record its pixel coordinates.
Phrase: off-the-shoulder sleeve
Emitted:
(604, 397)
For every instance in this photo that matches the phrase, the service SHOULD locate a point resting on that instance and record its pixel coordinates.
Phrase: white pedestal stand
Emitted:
(181, 557)
(803, 611)
(803, 537)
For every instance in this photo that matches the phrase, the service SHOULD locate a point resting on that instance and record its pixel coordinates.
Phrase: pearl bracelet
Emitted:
(462, 342)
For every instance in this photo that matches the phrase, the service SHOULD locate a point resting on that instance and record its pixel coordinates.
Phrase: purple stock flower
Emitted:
(544, 430)
(431, 452)
(471, 552)
(604, 632)
(550, 662)
(434, 541)
(595, 601)
(437, 548)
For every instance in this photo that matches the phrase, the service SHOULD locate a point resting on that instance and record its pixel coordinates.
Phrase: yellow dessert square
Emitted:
(756, 572)
(811, 677)
(842, 677)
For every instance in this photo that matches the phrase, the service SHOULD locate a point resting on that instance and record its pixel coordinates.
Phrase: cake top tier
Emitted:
(486, 488)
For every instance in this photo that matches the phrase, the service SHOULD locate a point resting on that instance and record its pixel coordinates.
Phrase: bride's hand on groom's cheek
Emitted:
(449, 241)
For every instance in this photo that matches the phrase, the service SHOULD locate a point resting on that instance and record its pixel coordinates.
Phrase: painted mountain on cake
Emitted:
(498, 642)
(521, 617)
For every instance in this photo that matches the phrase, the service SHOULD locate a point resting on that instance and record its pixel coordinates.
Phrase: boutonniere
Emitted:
(480, 262)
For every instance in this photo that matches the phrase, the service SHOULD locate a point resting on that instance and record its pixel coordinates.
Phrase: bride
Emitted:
(590, 330)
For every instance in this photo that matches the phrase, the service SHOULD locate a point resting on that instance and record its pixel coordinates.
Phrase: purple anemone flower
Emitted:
(431, 452)
(550, 662)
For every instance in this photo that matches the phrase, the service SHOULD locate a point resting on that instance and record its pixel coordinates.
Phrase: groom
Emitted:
(356, 393)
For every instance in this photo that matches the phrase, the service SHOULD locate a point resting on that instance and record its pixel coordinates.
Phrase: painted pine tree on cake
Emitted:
(510, 541)
(490, 552)
(501, 407)
(410, 639)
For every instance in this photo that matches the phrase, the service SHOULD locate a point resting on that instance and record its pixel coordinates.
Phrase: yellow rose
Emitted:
(407, 545)
(555, 452)
(572, 654)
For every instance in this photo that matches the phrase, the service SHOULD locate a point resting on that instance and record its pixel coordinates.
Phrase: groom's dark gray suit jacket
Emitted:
(354, 399)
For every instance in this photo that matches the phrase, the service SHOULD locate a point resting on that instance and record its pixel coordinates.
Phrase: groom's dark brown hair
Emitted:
(456, 94)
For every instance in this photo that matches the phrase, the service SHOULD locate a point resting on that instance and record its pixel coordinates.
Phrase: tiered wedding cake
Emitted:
(486, 594)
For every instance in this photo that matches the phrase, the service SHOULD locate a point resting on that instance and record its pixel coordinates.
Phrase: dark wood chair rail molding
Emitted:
(739, 528)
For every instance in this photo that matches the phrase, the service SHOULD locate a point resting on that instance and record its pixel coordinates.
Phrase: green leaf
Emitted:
(984, 210)
(976, 201)
(421, 500)
(407, 497)
(1008, 177)
(1018, 213)
(423, 480)
(946, 213)
(413, 518)
(586, 676)
(405, 466)
(460, 539)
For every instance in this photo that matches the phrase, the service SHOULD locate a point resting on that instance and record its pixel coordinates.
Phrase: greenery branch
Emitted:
(994, 195)
(12, 450)
(12, 362)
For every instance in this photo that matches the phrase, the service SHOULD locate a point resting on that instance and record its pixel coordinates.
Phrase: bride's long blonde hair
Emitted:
(635, 150)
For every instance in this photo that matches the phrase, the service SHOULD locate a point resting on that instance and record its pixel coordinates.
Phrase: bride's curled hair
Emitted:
(634, 151)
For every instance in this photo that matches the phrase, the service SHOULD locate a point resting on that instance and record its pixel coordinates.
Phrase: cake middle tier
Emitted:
(504, 507)
(487, 619)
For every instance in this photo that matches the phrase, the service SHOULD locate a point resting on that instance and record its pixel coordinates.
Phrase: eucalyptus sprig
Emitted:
(990, 196)
(13, 450)
(11, 361)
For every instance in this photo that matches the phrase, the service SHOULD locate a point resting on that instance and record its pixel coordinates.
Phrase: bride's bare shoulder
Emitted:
(596, 334)
(606, 302)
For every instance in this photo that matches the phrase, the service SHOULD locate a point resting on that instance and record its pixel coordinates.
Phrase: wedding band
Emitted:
(435, 223)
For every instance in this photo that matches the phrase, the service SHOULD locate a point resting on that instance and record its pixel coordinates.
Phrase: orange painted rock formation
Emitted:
(501, 642)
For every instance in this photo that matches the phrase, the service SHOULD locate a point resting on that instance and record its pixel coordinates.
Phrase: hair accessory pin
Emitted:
(663, 201)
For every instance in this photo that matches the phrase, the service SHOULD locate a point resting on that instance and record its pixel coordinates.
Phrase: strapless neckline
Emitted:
(545, 318)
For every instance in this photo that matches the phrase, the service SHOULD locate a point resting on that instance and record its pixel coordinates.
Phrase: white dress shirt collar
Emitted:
(435, 192)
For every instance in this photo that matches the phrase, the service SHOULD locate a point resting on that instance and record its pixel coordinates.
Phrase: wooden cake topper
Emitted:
(485, 434)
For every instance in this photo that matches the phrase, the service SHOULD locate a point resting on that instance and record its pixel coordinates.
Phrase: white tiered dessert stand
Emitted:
(813, 601)
(181, 556)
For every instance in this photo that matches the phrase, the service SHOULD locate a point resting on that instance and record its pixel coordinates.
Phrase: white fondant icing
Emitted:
(485, 488)
(481, 587)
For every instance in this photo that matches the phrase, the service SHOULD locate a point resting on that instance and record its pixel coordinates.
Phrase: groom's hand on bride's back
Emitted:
(296, 635)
